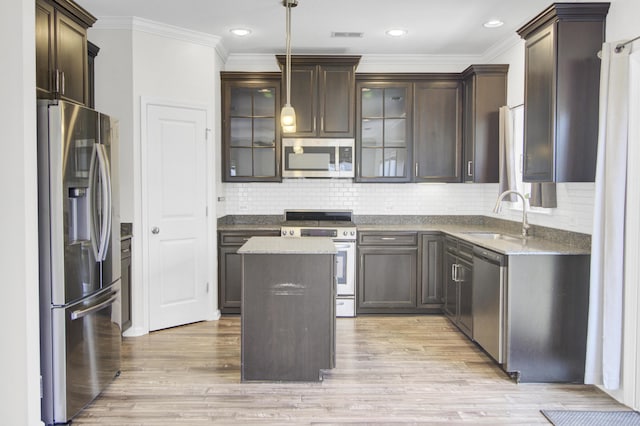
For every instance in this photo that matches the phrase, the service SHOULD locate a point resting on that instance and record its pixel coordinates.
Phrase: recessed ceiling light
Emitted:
(240, 32)
(396, 32)
(493, 23)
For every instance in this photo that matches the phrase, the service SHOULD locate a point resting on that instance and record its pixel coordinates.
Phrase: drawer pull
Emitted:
(388, 238)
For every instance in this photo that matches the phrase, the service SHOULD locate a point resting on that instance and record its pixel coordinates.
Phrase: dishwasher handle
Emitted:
(490, 256)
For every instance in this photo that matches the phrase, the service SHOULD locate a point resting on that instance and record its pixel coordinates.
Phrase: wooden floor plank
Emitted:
(390, 370)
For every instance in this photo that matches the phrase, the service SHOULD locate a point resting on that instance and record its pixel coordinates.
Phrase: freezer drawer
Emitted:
(83, 355)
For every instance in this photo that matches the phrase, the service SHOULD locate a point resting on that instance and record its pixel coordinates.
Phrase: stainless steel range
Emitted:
(339, 226)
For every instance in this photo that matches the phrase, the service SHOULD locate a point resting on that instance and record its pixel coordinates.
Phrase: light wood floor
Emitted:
(390, 369)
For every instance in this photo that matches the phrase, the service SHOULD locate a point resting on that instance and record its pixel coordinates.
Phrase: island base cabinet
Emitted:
(547, 314)
(288, 316)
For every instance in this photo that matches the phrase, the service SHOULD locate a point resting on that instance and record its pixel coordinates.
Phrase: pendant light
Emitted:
(288, 114)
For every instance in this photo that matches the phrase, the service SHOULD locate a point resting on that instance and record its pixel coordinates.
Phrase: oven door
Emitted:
(345, 268)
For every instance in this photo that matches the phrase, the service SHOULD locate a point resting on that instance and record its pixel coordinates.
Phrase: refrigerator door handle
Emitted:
(92, 215)
(87, 311)
(105, 181)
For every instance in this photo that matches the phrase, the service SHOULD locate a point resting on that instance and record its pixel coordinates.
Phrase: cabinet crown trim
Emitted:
(75, 11)
(352, 60)
(565, 12)
(485, 69)
(410, 77)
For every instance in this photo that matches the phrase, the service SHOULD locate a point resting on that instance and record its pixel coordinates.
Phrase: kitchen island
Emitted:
(288, 308)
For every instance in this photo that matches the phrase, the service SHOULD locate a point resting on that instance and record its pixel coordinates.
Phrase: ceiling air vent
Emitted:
(346, 34)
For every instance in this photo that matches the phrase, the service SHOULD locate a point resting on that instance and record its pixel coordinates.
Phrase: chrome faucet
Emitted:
(498, 206)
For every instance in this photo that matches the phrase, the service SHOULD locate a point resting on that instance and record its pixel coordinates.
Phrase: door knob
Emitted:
(155, 230)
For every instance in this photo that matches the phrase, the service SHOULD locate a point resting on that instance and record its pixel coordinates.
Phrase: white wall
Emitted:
(144, 59)
(19, 330)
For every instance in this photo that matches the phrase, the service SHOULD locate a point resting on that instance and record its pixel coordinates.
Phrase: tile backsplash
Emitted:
(574, 212)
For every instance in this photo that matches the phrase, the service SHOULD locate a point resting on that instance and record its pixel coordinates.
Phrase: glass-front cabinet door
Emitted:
(383, 136)
(251, 134)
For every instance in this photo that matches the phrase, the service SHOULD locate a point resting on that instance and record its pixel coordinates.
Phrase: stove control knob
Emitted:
(345, 233)
(353, 233)
(291, 232)
(284, 232)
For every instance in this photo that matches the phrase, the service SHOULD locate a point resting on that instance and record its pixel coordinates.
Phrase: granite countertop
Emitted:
(279, 245)
(543, 240)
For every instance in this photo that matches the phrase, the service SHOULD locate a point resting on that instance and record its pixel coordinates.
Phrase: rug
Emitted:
(592, 418)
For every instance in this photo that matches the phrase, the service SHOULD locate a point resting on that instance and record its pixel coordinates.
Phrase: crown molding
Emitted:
(134, 23)
(501, 47)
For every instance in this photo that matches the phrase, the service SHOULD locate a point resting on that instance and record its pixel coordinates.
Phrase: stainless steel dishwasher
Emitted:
(489, 287)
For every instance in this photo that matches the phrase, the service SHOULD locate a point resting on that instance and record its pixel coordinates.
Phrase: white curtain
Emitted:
(604, 339)
(507, 177)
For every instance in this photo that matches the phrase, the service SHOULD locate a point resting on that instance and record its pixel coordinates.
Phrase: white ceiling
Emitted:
(435, 27)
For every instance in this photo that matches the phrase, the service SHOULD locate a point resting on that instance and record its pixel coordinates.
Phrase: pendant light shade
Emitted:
(288, 114)
(288, 119)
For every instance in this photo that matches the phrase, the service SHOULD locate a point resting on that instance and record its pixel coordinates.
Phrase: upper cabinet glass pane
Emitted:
(395, 101)
(241, 132)
(264, 132)
(241, 101)
(372, 102)
(372, 133)
(264, 102)
(395, 132)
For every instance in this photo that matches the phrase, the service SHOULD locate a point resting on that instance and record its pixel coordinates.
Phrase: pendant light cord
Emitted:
(288, 52)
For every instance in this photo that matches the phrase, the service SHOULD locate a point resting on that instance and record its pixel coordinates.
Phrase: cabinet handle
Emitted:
(417, 167)
(56, 83)
(314, 124)
(453, 272)
(62, 82)
(322, 122)
(469, 164)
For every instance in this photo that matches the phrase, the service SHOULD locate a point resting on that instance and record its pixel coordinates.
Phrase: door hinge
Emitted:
(41, 388)
(206, 133)
(207, 287)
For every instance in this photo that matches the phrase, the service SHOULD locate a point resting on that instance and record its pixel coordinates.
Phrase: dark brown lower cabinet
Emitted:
(230, 267)
(430, 291)
(125, 264)
(399, 272)
(458, 297)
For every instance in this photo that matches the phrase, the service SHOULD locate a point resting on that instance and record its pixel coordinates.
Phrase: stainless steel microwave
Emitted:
(317, 158)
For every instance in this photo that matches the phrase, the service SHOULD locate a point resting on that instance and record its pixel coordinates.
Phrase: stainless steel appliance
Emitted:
(339, 226)
(489, 286)
(79, 258)
(317, 158)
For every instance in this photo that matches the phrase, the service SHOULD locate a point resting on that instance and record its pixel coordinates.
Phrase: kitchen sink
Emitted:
(495, 236)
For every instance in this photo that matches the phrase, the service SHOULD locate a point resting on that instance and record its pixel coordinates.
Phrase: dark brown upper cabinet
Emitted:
(383, 131)
(250, 127)
(562, 80)
(409, 127)
(484, 92)
(437, 135)
(61, 50)
(92, 53)
(322, 94)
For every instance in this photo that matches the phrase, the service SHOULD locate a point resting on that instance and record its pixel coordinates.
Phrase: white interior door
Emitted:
(177, 210)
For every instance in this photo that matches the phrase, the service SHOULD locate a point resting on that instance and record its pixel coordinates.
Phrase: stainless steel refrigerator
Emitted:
(79, 244)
